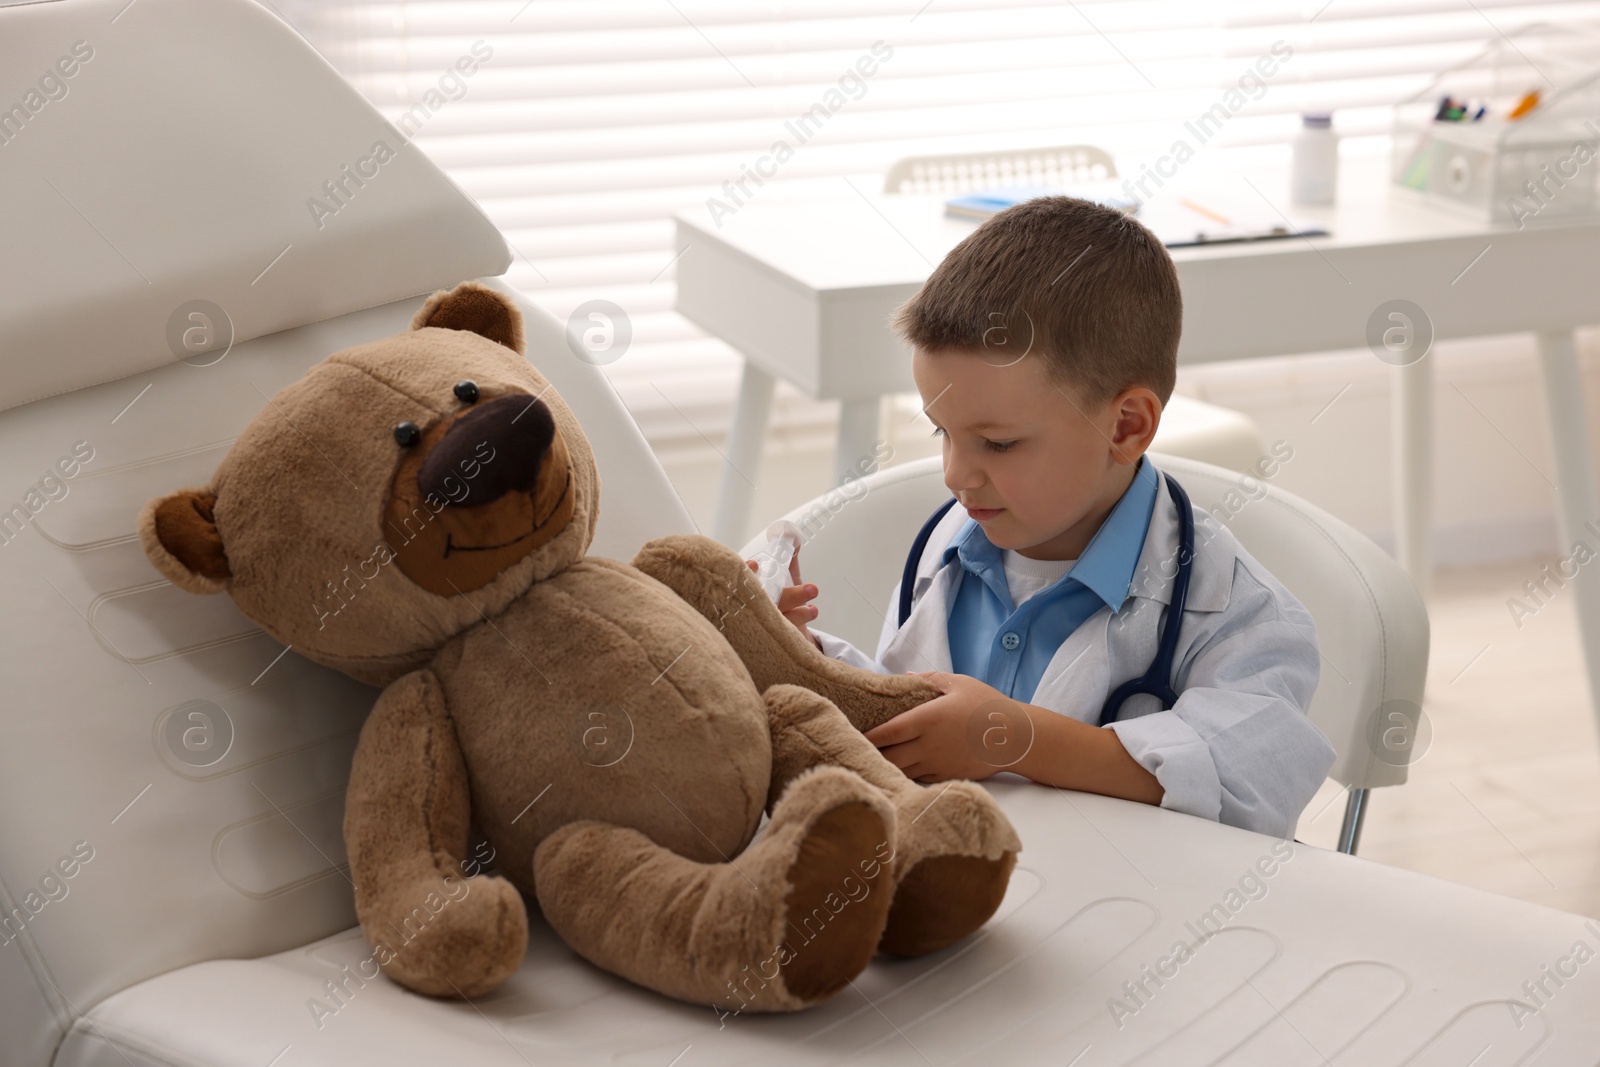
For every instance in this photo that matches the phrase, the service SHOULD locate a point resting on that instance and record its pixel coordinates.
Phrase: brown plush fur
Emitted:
(476, 309)
(615, 731)
(184, 520)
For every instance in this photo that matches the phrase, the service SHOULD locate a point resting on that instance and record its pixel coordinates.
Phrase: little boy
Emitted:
(1045, 346)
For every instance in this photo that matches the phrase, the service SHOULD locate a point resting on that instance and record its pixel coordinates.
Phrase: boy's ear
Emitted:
(477, 309)
(179, 534)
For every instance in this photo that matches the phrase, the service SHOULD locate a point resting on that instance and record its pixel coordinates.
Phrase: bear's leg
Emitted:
(954, 847)
(783, 925)
(718, 583)
(436, 929)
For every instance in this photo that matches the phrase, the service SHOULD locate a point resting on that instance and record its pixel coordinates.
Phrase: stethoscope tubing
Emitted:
(1157, 680)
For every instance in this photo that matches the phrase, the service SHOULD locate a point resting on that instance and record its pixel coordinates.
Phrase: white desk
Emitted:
(1331, 958)
(804, 291)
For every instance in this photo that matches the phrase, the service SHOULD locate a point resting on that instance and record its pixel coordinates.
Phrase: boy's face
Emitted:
(1036, 467)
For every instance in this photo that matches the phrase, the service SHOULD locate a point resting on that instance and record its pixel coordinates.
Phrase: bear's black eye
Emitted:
(467, 391)
(407, 434)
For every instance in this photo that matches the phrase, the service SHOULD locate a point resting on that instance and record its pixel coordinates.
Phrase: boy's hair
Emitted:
(1093, 290)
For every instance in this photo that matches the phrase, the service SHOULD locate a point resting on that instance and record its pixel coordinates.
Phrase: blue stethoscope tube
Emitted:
(1157, 681)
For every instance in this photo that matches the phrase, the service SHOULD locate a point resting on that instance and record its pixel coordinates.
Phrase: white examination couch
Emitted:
(172, 877)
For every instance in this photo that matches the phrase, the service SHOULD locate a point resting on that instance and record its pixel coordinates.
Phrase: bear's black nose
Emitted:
(491, 450)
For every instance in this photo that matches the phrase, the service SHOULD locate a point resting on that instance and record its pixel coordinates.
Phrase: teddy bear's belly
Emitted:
(604, 696)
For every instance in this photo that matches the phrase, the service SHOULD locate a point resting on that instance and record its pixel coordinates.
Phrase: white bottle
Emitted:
(1316, 160)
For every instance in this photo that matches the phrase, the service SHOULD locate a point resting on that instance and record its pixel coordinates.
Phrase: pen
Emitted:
(1208, 213)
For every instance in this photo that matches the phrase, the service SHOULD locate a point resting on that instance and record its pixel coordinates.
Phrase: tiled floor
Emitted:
(1507, 795)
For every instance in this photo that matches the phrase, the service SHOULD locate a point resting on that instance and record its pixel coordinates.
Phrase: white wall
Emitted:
(1493, 468)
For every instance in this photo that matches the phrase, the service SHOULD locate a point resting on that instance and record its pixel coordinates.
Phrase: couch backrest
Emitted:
(167, 156)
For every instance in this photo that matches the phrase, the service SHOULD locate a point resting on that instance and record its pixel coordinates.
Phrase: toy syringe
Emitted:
(783, 541)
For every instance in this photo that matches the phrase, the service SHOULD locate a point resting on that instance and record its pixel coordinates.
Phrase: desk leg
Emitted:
(1576, 499)
(858, 432)
(743, 460)
(1412, 425)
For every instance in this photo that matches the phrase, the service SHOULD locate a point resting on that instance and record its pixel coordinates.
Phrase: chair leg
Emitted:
(1355, 812)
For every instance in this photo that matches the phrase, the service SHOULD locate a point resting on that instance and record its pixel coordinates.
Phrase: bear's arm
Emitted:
(721, 587)
(436, 925)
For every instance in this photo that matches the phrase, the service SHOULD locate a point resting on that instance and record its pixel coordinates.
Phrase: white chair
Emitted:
(1223, 437)
(1372, 626)
(1189, 427)
(965, 172)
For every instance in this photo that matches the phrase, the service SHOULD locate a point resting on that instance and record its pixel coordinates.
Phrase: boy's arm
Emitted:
(1076, 755)
(1237, 747)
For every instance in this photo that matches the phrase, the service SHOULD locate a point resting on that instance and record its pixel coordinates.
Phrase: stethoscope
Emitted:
(1157, 681)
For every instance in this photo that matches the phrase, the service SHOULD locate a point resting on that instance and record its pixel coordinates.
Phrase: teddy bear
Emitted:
(416, 512)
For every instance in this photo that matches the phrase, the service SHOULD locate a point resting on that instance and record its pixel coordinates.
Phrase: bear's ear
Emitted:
(476, 309)
(179, 534)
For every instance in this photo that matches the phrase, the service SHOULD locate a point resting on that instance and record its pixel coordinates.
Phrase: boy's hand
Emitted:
(954, 735)
(795, 600)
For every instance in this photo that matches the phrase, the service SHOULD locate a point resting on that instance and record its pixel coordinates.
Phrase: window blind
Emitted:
(584, 125)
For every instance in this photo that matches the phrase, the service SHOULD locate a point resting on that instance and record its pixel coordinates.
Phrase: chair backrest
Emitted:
(966, 172)
(1372, 626)
(172, 780)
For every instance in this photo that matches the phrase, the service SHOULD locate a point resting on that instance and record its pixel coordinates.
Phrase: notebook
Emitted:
(993, 201)
(1205, 218)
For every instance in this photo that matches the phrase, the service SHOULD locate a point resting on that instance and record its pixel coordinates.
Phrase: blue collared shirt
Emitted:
(1009, 647)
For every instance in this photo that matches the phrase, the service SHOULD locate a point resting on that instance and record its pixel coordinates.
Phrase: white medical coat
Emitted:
(1237, 747)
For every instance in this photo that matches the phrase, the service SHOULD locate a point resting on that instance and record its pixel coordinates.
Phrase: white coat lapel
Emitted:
(1210, 580)
(923, 643)
(1108, 648)
(1078, 676)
